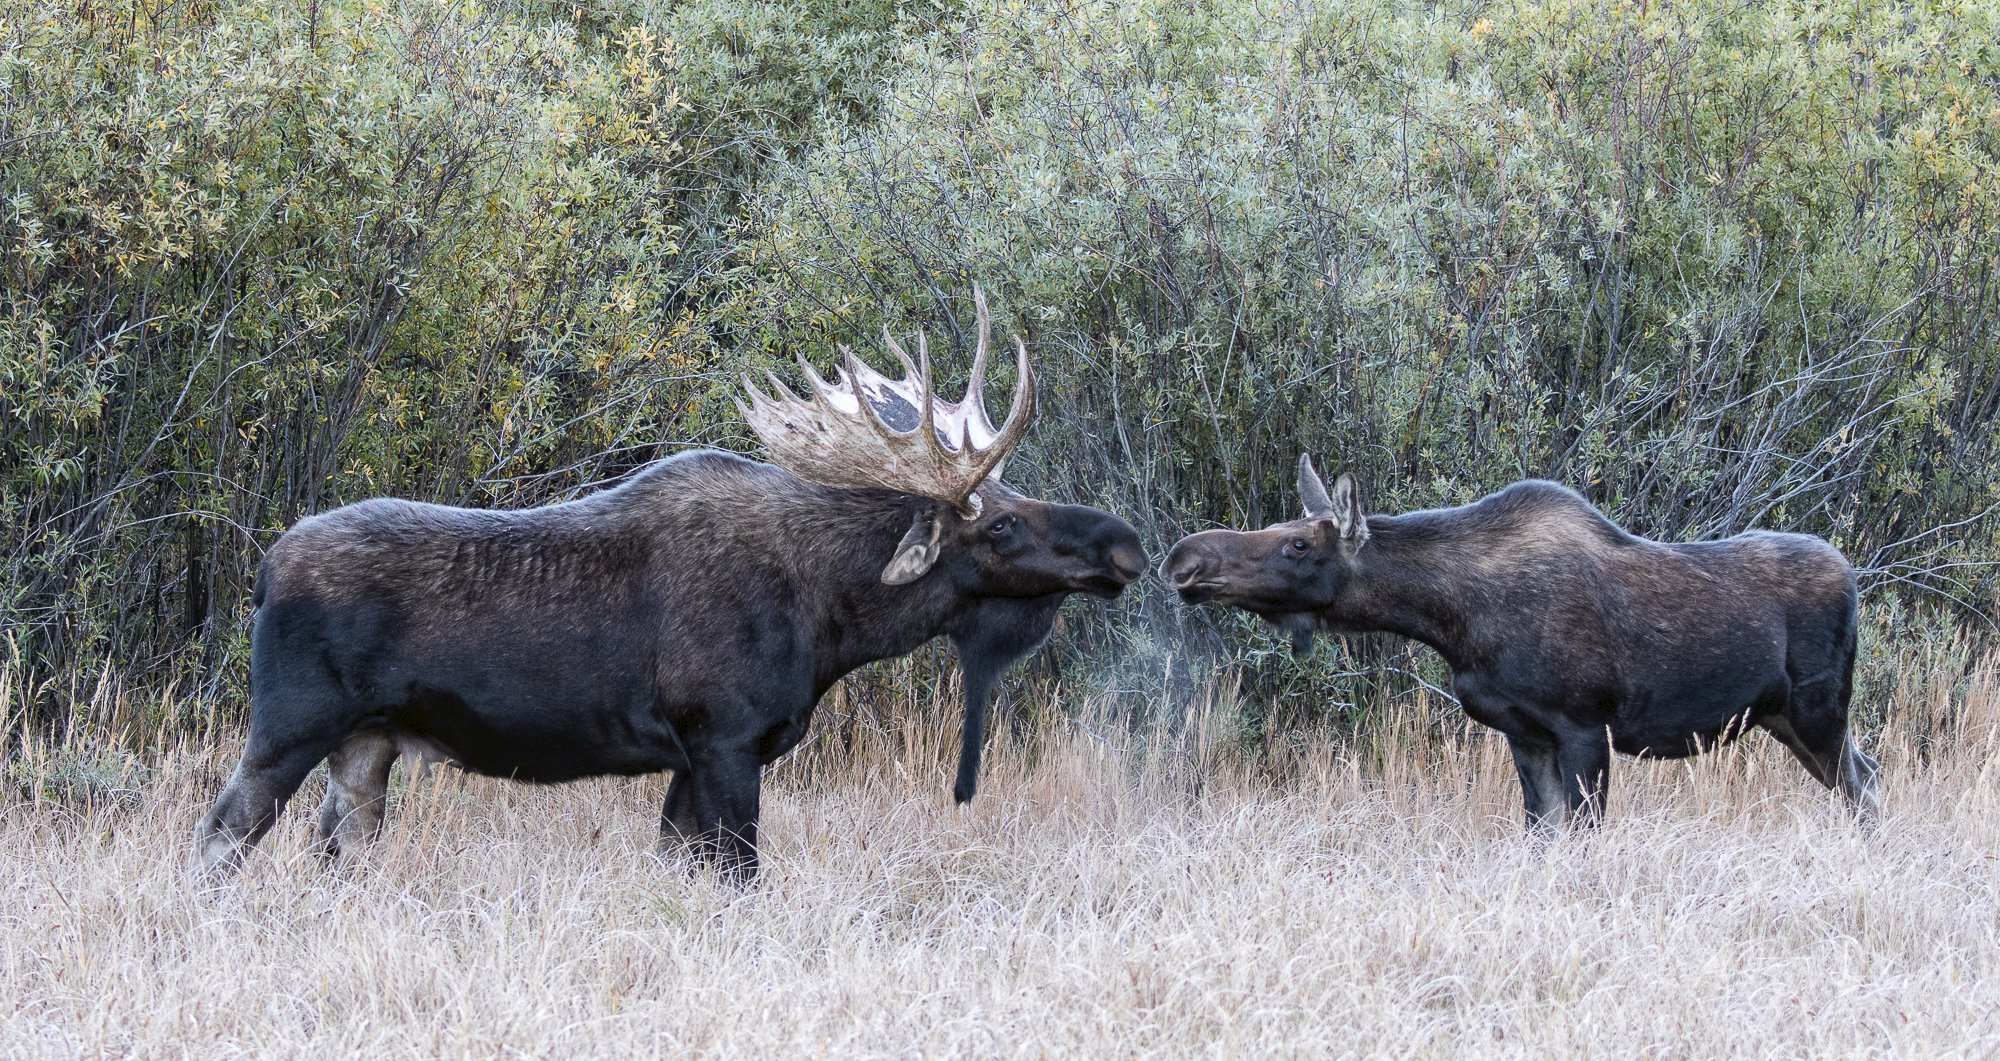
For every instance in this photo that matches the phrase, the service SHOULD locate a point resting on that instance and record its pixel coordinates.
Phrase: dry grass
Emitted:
(1094, 901)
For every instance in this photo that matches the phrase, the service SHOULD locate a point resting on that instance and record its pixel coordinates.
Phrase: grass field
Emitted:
(1101, 898)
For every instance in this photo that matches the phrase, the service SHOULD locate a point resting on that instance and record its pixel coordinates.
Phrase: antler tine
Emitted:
(1019, 415)
(948, 462)
(847, 388)
(778, 387)
(819, 386)
(759, 402)
(902, 355)
(928, 404)
(917, 381)
(974, 402)
(1024, 394)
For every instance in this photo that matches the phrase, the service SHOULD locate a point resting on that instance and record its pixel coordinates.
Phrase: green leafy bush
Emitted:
(1715, 265)
(264, 258)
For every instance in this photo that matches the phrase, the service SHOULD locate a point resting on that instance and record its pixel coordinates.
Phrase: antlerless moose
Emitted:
(1566, 633)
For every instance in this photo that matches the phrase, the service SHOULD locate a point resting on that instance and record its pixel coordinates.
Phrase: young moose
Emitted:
(1563, 630)
(687, 620)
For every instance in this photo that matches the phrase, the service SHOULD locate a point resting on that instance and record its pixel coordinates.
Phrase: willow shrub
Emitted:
(1715, 265)
(262, 257)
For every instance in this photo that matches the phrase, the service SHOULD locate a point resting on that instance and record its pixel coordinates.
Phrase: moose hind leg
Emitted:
(357, 790)
(1859, 774)
(1824, 767)
(263, 783)
(295, 721)
(1816, 732)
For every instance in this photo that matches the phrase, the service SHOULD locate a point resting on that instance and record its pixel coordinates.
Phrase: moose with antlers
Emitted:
(686, 620)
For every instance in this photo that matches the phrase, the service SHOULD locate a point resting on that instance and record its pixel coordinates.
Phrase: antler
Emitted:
(869, 431)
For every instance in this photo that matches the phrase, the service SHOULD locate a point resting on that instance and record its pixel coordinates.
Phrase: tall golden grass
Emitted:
(1107, 894)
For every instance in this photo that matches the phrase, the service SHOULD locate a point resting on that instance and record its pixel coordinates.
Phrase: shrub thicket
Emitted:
(1714, 264)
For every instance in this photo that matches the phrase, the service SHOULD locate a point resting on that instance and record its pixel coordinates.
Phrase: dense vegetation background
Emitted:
(1715, 264)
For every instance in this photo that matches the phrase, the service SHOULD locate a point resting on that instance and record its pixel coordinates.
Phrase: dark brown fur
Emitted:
(1565, 632)
(688, 620)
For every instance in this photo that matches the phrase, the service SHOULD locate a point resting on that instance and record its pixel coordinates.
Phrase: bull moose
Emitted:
(686, 620)
(1564, 632)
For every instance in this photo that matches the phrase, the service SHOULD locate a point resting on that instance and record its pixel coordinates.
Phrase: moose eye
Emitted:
(999, 527)
(1299, 545)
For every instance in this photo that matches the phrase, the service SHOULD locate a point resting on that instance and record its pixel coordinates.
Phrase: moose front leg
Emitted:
(677, 825)
(1563, 764)
(1584, 759)
(1537, 750)
(680, 826)
(722, 796)
(1541, 783)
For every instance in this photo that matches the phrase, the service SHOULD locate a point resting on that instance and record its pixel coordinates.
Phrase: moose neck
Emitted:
(842, 541)
(1408, 580)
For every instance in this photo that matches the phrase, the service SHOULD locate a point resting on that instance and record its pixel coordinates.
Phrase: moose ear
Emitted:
(1345, 508)
(917, 551)
(1312, 491)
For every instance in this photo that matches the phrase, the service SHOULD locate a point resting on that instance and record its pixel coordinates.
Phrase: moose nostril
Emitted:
(1186, 573)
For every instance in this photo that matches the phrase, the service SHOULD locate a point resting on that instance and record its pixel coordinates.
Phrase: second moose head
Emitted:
(1290, 574)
